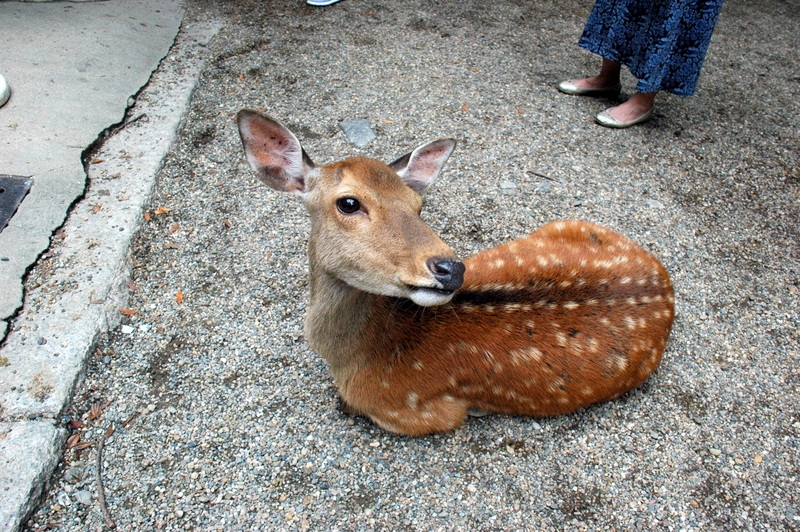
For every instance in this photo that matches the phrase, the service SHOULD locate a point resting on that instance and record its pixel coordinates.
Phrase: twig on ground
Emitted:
(101, 495)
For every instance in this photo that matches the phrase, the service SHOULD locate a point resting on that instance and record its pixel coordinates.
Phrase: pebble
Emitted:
(359, 132)
(83, 497)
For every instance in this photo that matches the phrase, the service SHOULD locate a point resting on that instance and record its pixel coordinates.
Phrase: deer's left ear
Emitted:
(420, 168)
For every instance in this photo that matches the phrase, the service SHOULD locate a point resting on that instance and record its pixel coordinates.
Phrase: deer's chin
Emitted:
(429, 297)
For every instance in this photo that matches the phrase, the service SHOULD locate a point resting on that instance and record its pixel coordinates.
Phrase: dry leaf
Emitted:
(96, 208)
(147, 216)
(73, 440)
(95, 411)
(75, 423)
(758, 458)
(179, 297)
(388, 121)
(132, 287)
(174, 228)
(465, 107)
(97, 161)
(83, 445)
(162, 210)
(129, 420)
(127, 311)
(228, 224)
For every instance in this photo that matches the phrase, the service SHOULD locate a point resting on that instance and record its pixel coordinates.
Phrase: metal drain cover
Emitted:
(13, 190)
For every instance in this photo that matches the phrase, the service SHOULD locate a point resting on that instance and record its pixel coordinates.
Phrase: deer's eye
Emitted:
(348, 205)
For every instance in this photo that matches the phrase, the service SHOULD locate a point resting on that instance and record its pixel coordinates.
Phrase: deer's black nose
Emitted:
(449, 272)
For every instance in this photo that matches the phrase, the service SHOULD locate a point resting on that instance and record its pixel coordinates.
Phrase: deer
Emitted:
(416, 339)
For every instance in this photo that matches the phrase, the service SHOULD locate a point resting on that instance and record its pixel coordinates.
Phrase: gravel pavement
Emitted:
(225, 419)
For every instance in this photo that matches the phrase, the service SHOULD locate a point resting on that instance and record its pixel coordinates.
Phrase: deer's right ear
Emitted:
(274, 153)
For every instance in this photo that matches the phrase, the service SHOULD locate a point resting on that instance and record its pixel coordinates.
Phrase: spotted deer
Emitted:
(568, 316)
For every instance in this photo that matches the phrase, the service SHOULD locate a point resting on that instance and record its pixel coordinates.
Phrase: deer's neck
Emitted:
(345, 325)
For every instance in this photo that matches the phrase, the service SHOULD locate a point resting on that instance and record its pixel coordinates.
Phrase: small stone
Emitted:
(359, 132)
(73, 474)
(654, 204)
(715, 452)
(179, 513)
(83, 497)
(126, 329)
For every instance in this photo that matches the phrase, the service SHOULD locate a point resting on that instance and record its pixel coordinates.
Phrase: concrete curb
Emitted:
(45, 353)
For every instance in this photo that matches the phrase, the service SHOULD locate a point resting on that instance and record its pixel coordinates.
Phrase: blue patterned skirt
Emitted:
(662, 42)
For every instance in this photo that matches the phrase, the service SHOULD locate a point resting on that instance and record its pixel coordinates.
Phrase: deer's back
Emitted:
(571, 315)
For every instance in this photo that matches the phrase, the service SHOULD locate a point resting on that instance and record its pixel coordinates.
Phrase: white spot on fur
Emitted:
(411, 400)
(525, 355)
(561, 339)
(630, 323)
(571, 305)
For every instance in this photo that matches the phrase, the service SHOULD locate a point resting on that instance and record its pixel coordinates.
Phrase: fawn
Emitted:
(568, 316)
